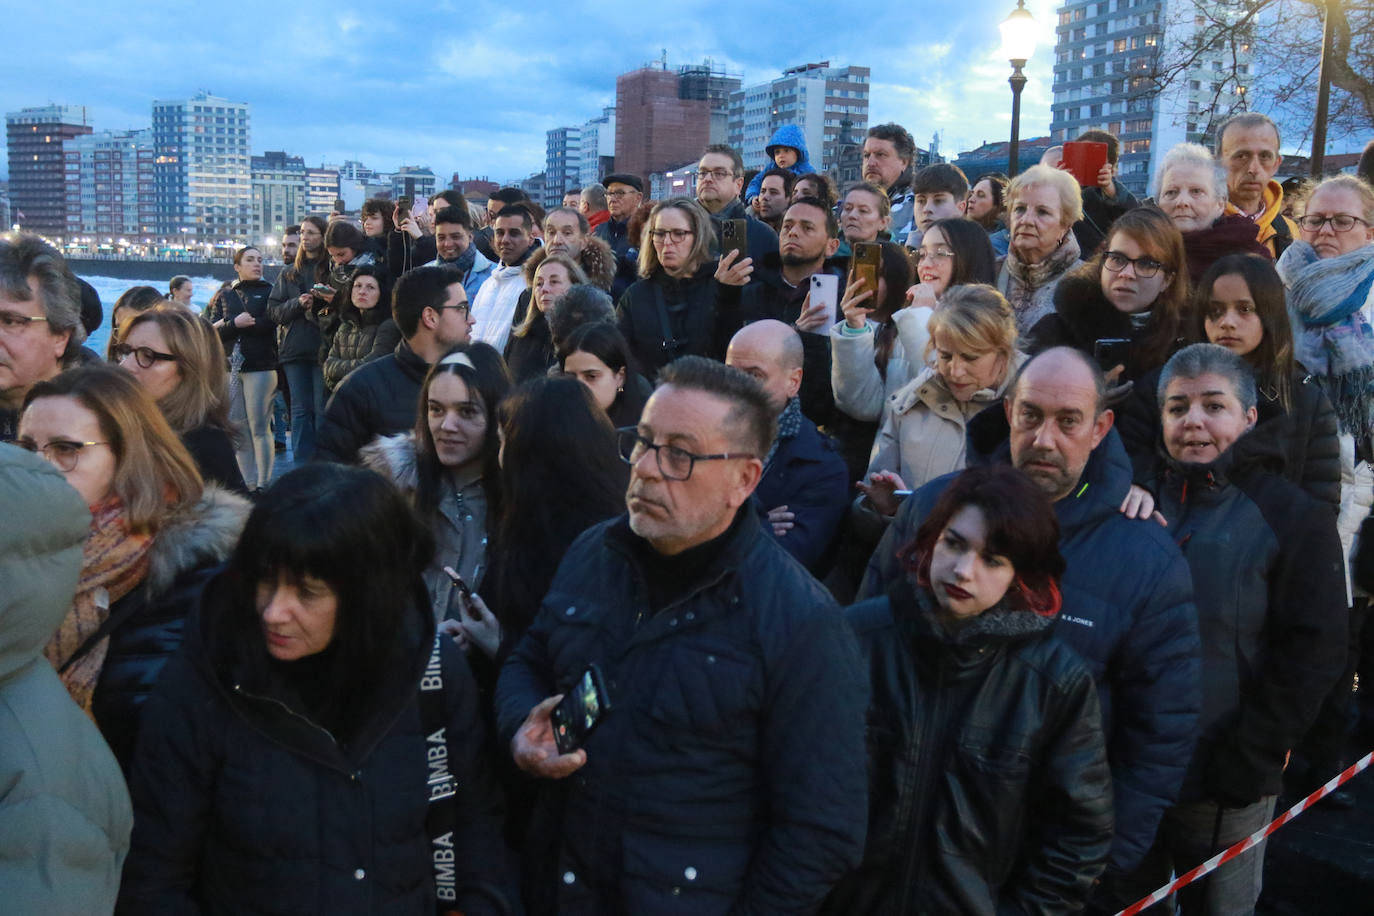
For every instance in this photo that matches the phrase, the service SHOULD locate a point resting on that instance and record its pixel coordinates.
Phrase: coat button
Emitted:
(690, 873)
(569, 877)
(690, 616)
(677, 892)
(569, 612)
(710, 659)
(359, 875)
(673, 622)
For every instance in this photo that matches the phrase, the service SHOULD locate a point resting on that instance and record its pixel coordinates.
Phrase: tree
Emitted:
(1270, 59)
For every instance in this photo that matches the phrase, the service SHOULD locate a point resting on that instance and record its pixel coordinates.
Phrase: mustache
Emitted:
(1041, 456)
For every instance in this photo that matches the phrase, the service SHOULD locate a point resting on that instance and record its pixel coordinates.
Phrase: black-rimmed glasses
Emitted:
(1341, 222)
(673, 463)
(1144, 267)
(144, 356)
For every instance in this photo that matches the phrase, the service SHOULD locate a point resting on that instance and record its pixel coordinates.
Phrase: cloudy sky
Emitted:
(470, 87)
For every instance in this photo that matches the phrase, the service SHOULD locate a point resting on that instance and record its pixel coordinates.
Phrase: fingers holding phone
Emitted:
(536, 752)
(813, 318)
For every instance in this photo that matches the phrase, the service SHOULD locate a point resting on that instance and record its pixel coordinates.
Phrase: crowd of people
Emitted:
(917, 546)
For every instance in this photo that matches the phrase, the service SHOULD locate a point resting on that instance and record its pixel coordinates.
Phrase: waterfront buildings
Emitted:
(44, 169)
(203, 179)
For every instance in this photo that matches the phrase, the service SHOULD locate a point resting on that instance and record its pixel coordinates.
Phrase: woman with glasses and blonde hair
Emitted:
(671, 310)
(179, 361)
(156, 528)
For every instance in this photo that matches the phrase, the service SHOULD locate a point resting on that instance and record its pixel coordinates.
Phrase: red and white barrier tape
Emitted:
(1252, 840)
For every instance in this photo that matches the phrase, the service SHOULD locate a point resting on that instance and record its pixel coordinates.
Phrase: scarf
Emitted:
(1332, 338)
(1030, 279)
(113, 563)
(1234, 234)
(463, 263)
(789, 424)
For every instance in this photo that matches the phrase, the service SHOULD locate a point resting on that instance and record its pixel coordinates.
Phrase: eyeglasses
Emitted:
(14, 324)
(936, 254)
(616, 195)
(1144, 267)
(717, 174)
(1341, 222)
(673, 463)
(61, 453)
(144, 356)
(677, 235)
(466, 306)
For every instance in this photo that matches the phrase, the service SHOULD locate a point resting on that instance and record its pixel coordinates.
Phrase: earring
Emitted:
(620, 390)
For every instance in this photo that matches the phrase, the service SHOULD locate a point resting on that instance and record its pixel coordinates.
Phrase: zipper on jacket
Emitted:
(291, 712)
(920, 798)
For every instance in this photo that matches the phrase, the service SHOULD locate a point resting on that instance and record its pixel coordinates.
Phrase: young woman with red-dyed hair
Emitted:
(988, 782)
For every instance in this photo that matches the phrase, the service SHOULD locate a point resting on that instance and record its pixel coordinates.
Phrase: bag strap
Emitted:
(441, 817)
(132, 605)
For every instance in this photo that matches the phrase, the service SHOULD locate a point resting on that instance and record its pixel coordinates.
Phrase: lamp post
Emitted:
(1323, 93)
(1018, 42)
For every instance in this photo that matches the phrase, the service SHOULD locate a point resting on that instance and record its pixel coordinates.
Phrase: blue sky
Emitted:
(472, 86)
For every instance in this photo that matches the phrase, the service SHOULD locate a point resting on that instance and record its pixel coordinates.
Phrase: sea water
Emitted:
(111, 288)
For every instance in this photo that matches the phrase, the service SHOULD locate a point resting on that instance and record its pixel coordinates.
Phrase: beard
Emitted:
(799, 260)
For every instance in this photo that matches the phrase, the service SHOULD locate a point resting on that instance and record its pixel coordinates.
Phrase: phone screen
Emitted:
(580, 710)
(867, 262)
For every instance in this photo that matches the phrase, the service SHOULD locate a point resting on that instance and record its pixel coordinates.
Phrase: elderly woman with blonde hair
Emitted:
(1042, 205)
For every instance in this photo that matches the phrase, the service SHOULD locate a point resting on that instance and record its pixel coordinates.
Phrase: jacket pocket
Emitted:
(672, 876)
(707, 690)
(988, 787)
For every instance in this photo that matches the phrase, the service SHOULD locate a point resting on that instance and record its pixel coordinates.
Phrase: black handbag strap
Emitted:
(131, 605)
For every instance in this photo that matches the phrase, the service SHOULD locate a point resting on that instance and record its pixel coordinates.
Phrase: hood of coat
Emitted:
(916, 612)
(40, 557)
(1250, 454)
(201, 535)
(597, 261)
(1088, 313)
(790, 135)
(393, 457)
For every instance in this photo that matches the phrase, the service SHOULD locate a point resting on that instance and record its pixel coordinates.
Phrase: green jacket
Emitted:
(64, 811)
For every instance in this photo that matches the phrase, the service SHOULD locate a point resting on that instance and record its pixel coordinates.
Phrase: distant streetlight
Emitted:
(1018, 42)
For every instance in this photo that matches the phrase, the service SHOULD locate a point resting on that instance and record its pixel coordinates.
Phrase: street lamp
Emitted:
(1018, 42)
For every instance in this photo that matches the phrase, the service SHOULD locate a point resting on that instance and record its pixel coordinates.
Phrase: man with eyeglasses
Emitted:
(728, 774)
(624, 194)
(378, 398)
(1248, 148)
(40, 321)
(720, 179)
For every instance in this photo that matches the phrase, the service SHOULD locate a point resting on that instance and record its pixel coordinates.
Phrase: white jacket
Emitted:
(859, 390)
(494, 306)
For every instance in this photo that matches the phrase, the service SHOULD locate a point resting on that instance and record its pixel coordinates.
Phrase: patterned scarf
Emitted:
(1027, 292)
(113, 562)
(789, 424)
(1331, 336)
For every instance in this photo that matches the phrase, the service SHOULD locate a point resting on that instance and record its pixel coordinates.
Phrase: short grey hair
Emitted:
(24, 256)
(595, 195)
(1194, 155)
(1246, 119)
(581, 304)
(1203, 359)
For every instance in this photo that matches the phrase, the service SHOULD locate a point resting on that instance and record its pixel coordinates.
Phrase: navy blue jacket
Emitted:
(1128, 612)
(729, 776)
(809, 477)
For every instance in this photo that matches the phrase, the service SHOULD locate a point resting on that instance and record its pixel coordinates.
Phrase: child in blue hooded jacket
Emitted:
(787, 149)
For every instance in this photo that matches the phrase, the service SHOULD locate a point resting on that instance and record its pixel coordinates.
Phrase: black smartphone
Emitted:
(463, 590)
(580, 710)
(340, 206)
(1111, 352)
(734, 236)
(866, 265)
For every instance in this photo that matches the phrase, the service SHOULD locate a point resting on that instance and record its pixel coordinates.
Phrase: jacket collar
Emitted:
(745, 531)
(410, 362)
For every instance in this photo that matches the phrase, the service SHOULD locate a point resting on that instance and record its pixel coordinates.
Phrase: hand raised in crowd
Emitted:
(855, 312)
(1106, 180)
(424, 222)
(881, 489)
(1140, 503)
(410, 227)
(921, 295)
(534, 749)
(476, 626)
(812, 318)
(782, 520)
(244, 320)
(734, 270)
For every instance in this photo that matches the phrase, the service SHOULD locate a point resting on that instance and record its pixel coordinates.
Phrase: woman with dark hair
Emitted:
(156, 529)
(597, 356)
(365, 330)
(289, 755)
(133, 300)
(295, 306)
(988, 781)
(376, 215)
(448, 466)
(986, 206)
(953, 252)
(240, 314)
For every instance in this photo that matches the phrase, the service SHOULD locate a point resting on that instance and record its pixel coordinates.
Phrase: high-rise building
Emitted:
(44, 170)
(321, 190)
(598, 148)
(279, 190)
(356, 183)
(203, 167)
(115, 190)
(562, 163)
(815, 97)
(414, 181)
(1104, 57)
(664, 117)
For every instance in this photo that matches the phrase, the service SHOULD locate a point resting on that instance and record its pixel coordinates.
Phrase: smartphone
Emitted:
(322, 288)
(734, 236)
(580, 711)
(410, 187)
(825, 290)
(1111, 352)
(866, 265)
(340, 206)
(463, 590)
(403, 207)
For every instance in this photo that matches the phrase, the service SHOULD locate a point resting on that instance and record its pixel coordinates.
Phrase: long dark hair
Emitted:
(974, 259)
(1273, 360)
(604, 341)
(1021, 526)
(488, 377)
(354, 531)
(346, 307)
(561, 474)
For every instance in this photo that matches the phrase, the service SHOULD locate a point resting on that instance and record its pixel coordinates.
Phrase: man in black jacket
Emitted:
(720, 179)
(728, 776)
(378, 398)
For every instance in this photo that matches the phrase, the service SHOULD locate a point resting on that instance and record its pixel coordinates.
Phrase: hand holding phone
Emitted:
(580, 711)
(825, 290)
(536, 752)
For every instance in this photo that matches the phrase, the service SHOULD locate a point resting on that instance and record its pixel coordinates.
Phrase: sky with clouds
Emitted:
(470, 87)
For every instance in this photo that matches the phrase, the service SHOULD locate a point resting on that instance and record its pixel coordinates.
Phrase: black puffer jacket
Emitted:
(379, 399)
(259, 342)
(152, 616)
(664, 317)
(1306, 437)
(361, 336)
(1269, 582)
(729, 776)
(244, 804)
(988, 783)
(298, 339)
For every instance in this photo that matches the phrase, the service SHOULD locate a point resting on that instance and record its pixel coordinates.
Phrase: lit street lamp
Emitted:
(1018, 42)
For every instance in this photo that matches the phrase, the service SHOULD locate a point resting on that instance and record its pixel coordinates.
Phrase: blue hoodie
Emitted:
(787, 135)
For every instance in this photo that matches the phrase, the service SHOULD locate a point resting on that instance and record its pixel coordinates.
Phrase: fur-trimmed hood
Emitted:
(204, 534)
(394, 458)
(597, 260)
